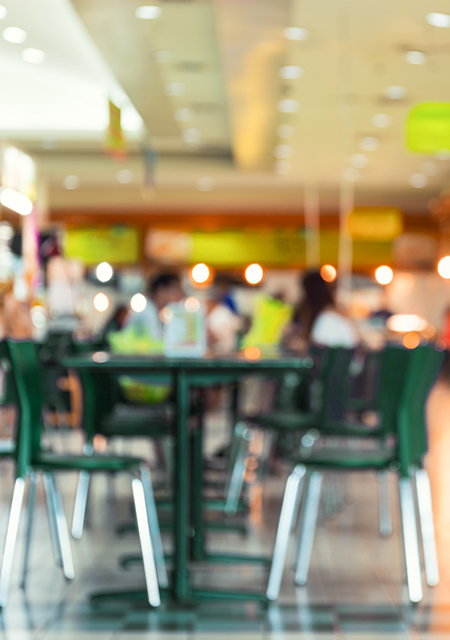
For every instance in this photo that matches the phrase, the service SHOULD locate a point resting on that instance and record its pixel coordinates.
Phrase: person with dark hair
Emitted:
(162, 290)
(317, 320)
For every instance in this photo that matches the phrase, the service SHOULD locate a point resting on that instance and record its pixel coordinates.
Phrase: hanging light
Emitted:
(200, 273)
(101, 302)
(384, 275)
(254, 273)
(328, 272)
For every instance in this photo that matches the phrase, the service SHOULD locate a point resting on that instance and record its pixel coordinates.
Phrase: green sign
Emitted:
(428, 127)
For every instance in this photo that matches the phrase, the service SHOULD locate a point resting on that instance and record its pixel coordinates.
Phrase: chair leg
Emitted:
(30, 519)
(385, 504)
(153, 524)
(236, 481)
(62, 531)
(11, 537)
(307, 527)
(151, 576)
(52, 522)
(410, 540)
(79, 512)
(427, 527)
(287, 518)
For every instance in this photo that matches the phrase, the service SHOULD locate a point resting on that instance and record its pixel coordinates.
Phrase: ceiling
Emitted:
(200, 86)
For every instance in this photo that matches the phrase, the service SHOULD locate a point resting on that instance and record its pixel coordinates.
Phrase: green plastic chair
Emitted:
(407, 377)
(33, 458)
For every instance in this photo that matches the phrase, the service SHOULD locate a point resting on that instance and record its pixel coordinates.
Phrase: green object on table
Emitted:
(184, 372)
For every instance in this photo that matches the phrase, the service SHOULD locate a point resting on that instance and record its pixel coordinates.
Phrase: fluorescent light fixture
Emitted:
(438, 19)
(148, 12)
(35, 56)
(395, 92)
(282, 151)
(174, 89)
(285, 130)
(381, 120)
(205, 184)
(418, 180)
(15, 35)
(124, 176)
(16, 201)
(3, 12)
(369, 143)
(291, 72)
(71, 182)
(404, 322)
(191, 135)
(351, 174)
(184, 115)
(415, 57)
(296, 33)
(288, 105)
(359, 160)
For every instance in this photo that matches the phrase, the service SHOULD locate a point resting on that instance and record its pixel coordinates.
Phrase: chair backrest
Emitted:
(394, 365)
(334, 377)
(28, 380)
(425, 365)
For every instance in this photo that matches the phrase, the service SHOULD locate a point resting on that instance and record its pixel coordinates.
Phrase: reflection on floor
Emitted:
(355, 587)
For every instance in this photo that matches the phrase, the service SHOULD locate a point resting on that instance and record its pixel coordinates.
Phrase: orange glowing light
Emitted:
(328, 272)
(252, 353)
(411, 340)
(101, 302)
(444, 268)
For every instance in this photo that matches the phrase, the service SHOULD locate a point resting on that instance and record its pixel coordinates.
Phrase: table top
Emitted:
(107, 361)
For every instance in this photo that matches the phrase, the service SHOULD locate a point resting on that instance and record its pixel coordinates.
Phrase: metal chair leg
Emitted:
(287, 518)
(385, 504)
(48, 487)
(427, 527)
(79, 511)
(153, 524)
(11, 537)
(151, 576)
(307, 527)
(236, 482)
(62, 530)
(410, 540)
(30, 519)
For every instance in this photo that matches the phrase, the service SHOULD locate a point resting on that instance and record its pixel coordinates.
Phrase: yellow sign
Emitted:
(375, 223)
(115, 142)
(269, 320)
(117, 245)
(428, 127)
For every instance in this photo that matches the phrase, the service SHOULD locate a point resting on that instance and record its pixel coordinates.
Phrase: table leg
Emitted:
(181, 581)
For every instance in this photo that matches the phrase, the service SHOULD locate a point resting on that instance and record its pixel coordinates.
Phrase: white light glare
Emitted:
(192, 304)
(124, 176)
(351, 174)
(205, 184)
(254, 273)
(291, 72)
(395, 92)
(444, 268)
(359, 160)
(35, 56)
(285, 130)
(406, 322)
(430, 168)
(415, 57)
(288, 105)
(38, 318)
(101, 302)
(296, 33)
(15, 35)
(282, 167)
(381, 120)
(104, 272)
(282, 151)
(384, 274)
(200, 273)
(191, 136)
(174, 89)
(148, 12)
(438, 19)
(184, 115)
(369, 143)
(138, 302)
(71, 182)
(16, 201)
(418, 180)
(3, 12)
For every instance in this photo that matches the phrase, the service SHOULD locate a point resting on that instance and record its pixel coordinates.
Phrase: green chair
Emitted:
(33, 458)
(406, 379)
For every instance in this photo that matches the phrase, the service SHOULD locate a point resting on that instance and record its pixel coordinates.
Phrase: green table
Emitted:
(185, 373)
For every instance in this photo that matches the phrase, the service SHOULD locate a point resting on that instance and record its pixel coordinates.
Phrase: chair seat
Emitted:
(7, 448)
(348, 458)
(55, 462)
(298, 421)
(138, 420)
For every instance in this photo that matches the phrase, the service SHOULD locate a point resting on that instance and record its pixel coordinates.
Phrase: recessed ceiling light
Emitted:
(415, 57)
(282, 151)
(285, 130)
(184, 115)
(291, 72)
(162, 56)
(3, 12)
(205, 184)
(174, 89)
(48, 143)
(296, 33)
(191, 136)
(148, 12)
(438, 19)
(369, 143)
(381, 120)
(124, 176)
(288, 106)
(282, 167)
(395, 92)
(359, 160)
(351, 174)
(15, 35)
(35, 56)
(430, 168)
(71, 182)
(442, 154)
(418, 180)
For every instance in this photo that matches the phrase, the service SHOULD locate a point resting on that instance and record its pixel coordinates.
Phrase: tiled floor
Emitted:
(355, 588)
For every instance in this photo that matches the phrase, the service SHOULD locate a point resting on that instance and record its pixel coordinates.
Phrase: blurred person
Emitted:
(222, 324)
(162, 290)
(317, 320)
(116, 321)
